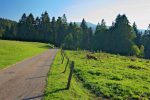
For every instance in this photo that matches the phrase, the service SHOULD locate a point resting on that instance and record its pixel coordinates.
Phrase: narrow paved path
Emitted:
(27, 79)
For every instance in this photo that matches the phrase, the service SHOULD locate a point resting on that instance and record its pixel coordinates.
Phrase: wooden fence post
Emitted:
(70, 75)
(62, 56)
(66, 65)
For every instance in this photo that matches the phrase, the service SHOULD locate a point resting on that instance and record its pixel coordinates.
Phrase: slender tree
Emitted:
(146, 42)
(138, 35)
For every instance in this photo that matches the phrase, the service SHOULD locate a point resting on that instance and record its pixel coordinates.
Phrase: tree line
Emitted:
(119, 38)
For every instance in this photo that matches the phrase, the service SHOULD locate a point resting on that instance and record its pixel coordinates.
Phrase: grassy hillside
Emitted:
(113, 76)
(13, 51)
(110, 76)
(57, 81)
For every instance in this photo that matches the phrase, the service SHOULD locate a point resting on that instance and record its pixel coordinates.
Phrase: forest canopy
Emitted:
(120, 38)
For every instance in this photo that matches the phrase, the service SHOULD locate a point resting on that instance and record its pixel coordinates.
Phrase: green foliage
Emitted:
(136, 51)
(86, 38)
(138, 38)
(73, 38)
(1, 32)
(100, 37)
(113, 76)
(7, 28)
(141, 51)
(146, 42)
(120, 38)
(68, 44)
(57, 82)
(13, 51)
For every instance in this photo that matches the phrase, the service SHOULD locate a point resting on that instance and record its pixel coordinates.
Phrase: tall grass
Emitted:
(113, 76)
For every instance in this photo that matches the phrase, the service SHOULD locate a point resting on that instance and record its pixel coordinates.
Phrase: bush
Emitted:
(135, 50)
(141, 51)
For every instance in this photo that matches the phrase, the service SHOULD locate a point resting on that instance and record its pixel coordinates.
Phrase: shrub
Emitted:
(135, 50)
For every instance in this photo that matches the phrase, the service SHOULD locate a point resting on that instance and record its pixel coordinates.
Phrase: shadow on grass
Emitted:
(55, 91)
(42, 95)
(48, 47)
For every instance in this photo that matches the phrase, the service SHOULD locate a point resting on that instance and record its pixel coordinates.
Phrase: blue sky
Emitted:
(92, 10)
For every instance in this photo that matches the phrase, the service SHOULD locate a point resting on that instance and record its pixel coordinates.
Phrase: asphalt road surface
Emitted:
(26, 80)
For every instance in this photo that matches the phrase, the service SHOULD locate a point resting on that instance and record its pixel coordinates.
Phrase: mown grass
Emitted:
(12, 52)
(57, 81)
(112, 76)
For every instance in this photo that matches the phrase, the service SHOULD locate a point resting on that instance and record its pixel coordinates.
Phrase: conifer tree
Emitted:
(138, 35)
(146, 42)
(100, 37)
(85, 37)
(122, 36)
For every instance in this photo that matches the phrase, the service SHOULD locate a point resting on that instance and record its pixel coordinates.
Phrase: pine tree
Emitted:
(100, 37)
(69, 42)
(53, 31)
(64, 19)
(45, 27)
(22, 28)
(146, 42)
(84, 27)
(59, 34)
(121, 37)
(138, 35)
(65, 26)
(23, 18)
(30, 22)
(73, 37)
(89, 39)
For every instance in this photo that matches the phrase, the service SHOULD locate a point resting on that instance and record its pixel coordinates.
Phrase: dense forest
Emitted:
(120, 38)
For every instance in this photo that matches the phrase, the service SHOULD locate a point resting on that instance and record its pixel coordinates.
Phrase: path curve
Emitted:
(26, 80)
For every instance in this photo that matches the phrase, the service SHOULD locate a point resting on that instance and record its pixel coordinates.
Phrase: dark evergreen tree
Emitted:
(74, 32)
(22, 27)
(100, 37)
(122, 37)
(45, 27)
(89, 39)
(138, 35)
(64, 26)
(119, 38)
(30, 22)
(6, 26)
(68, 43)
(23, 18)
(85, 37)
(53, 31)
(146, 43)
(59, 33)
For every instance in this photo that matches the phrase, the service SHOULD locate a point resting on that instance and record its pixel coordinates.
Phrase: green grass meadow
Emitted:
(57, 81)
(111, 76)
(12, 52)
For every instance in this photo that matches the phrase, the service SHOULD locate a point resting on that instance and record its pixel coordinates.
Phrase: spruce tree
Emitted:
(45, 27)
(122, 36)
(53, 31)
(85, 37)
(100, 37)
(138, 35)
(146, 42)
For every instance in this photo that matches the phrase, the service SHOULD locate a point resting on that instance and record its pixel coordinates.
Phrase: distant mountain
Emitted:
(93, 26)
(141, 30)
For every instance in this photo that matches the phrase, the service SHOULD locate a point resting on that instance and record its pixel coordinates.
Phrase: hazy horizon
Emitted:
(75, 10)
